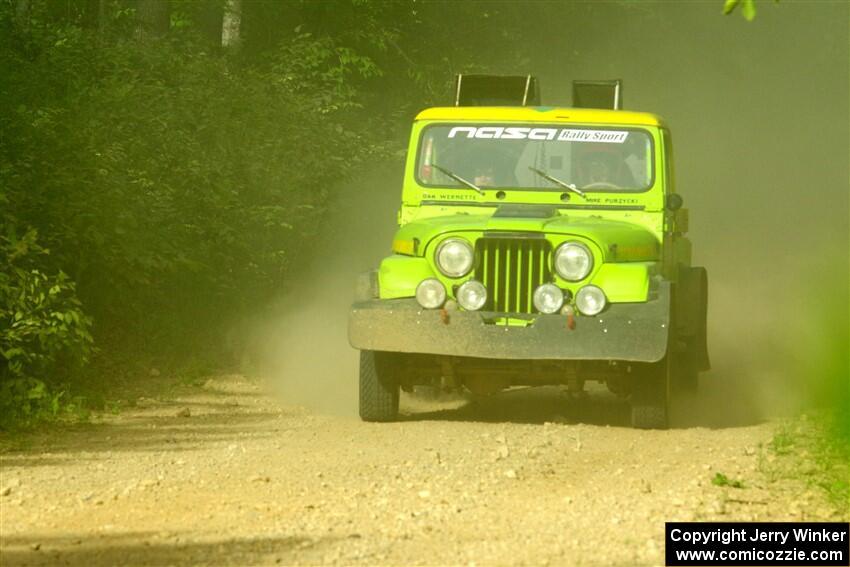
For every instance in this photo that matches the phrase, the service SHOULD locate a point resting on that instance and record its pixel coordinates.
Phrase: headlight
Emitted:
(573, 261)
(472, 295)
(454, 257)
(431, 293)
(548, 298)
(590, 300)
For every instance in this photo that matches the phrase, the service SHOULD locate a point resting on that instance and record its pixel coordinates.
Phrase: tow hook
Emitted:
(444, 311)
(571, 316)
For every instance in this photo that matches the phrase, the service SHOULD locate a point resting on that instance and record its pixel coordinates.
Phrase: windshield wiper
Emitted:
(557, 181)
(457, 178)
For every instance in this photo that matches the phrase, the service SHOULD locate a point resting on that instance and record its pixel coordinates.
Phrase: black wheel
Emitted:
(692, 314)
(686, 371)
(651, 395)
(378, 388)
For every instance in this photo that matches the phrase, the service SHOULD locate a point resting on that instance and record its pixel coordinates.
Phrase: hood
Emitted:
(619, 241)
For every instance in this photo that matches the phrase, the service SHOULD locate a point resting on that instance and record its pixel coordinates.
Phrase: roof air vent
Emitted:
(496, 90)
(598, 94)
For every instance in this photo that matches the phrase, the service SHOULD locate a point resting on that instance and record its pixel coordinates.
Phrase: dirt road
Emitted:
(521, 478)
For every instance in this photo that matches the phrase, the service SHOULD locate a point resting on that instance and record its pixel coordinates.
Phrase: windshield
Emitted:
(518, 156)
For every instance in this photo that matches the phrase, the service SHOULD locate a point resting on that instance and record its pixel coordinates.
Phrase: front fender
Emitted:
(399, 275)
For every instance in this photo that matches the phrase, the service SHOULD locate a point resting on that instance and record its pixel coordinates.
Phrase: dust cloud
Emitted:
(301, 342)
(760, 121)
(759, 115)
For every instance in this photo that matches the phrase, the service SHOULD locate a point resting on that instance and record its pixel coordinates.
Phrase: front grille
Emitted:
(512, 268)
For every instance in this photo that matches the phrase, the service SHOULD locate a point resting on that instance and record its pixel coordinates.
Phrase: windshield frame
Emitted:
(554, 188)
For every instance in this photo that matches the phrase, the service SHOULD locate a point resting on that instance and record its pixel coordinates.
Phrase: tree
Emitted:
(153, 18)
(231, 24)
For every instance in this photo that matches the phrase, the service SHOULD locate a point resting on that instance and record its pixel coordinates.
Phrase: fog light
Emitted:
(590, 300)
(548, 298)
(472, 295)
(431, 293)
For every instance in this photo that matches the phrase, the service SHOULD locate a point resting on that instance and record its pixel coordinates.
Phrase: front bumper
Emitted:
(635, 332)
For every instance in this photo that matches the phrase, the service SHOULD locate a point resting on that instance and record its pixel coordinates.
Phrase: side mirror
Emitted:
(674, 202)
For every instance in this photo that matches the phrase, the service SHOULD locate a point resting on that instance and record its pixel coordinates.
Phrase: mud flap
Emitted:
(650, 402)
(692, 310)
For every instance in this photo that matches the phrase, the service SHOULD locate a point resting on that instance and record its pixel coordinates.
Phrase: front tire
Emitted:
(651, 395)
(379, 389)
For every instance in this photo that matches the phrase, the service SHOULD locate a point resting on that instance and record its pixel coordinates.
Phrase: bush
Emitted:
(174, 186)
(43, 332)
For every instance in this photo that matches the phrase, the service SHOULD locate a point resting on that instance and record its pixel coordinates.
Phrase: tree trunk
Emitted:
(231, 24)
(153, 18)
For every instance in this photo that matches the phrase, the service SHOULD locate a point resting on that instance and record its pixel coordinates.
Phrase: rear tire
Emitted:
(686, 372)
(692, 308)
(651, 395)
(379, 389)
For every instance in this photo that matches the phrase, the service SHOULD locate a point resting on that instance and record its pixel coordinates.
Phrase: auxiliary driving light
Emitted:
(590, 300)
(548, 298)
(431, 293)
(472, 295)
(454, 257)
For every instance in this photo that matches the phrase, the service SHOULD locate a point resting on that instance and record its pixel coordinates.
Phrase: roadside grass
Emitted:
(782, 442)
(721, 479)
(113, 383)
(813, 449)
(832, 457)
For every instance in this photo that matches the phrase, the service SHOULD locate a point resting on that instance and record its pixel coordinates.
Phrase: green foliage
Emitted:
(831, 454)
(176, 185)
(782, 441)
(721, 479)
(43, 332)
(319, 70)
(166, 180)
(173, 186)
(823, 371)
(808, 449)
(748, 8)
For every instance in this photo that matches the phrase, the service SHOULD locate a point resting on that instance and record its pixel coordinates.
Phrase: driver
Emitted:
(484, 177)
(598, 172)
(608, 170)
(490, 163)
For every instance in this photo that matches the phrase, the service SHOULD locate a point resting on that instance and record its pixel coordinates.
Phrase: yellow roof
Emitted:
(540, 114)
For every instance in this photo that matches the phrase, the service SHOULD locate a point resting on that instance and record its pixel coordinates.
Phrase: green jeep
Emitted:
(536, 245)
